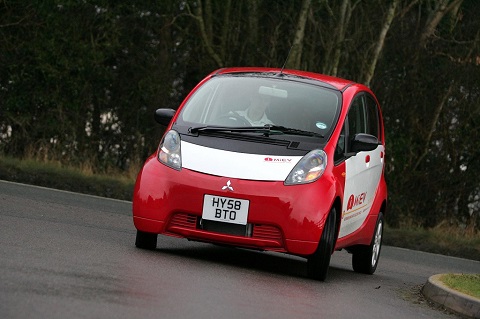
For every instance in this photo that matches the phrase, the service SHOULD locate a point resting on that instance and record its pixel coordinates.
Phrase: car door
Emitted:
(363, 169)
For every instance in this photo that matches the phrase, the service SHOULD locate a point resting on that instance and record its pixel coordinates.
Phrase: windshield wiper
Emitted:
(293, 131)
(267, 130)
(209, 128)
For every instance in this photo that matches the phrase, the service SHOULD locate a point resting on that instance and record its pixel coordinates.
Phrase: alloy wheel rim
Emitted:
(377, 244)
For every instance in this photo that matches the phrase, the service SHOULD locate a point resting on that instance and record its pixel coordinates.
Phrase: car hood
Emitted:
(231, 164)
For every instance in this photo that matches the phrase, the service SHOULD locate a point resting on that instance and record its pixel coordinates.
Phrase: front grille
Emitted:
(184, 221)
(267, 232)
(258, 231)
(224, 228)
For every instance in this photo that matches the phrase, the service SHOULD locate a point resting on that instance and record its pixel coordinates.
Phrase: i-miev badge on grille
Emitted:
(228, 186)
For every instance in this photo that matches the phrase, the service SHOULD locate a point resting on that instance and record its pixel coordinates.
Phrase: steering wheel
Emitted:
(232, 119)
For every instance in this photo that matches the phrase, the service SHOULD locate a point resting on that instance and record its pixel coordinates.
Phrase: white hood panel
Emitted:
(237, 165)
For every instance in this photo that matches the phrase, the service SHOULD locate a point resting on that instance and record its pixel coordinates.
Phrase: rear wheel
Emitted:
(146, 240)
(365, 258)
(318, 263)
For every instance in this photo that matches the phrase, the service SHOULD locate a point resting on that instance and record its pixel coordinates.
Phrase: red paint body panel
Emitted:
(339, 83)
(286, 219)
(363, 236)
(161, 192)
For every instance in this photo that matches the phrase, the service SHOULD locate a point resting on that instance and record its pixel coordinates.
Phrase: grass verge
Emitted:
(442, 240)
(445, 241)
(467, 283)
(53, 175)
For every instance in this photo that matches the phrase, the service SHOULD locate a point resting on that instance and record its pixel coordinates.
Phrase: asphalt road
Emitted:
(66, 255)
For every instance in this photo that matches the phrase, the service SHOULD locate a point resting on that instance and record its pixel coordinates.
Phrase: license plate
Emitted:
(225, 209)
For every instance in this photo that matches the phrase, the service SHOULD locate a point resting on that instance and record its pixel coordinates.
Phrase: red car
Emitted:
(270, 159)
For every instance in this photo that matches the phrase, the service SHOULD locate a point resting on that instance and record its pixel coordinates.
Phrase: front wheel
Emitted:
(318, 263)
(146, 240)
(365, 258)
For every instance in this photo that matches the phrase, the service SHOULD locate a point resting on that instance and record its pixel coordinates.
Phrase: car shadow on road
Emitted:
(268, 262)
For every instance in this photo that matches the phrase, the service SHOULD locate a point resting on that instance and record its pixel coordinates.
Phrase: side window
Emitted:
(341, 146)
(356, 117)
(373, 118)
(362, 117)
(357, 121)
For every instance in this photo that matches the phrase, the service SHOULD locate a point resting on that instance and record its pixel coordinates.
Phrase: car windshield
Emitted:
(253, 101)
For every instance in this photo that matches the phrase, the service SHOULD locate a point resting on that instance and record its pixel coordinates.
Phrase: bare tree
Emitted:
(381, 42)
(204, 20)
(294, 60)
(335, 49)
(442, 7)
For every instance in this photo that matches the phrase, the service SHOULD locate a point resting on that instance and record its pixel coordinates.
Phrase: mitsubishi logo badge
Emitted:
(228, 187)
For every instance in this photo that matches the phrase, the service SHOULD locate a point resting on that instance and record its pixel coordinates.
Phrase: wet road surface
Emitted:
(71, 255)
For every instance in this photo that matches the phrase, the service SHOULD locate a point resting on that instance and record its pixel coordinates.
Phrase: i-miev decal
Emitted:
(354, 202)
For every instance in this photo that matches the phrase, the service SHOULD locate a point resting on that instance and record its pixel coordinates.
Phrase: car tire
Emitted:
(365, 258)
(318, 263)
(146, 240)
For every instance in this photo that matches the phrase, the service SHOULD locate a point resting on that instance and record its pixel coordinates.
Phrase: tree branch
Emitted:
(294, 60)
(381, 41)
(436, 116)
(206, 41)
(442, 9)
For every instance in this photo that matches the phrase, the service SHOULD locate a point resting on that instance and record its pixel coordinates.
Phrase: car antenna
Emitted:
(285, 63)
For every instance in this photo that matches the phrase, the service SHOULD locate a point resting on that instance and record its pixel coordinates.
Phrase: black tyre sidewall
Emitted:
(362, 256)
(318, 263)
(145, 240)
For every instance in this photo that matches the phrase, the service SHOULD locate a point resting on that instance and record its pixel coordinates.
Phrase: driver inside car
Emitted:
(255, 113)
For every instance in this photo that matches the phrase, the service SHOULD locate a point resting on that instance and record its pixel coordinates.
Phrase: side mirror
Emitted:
(363, 142)
(164, 116)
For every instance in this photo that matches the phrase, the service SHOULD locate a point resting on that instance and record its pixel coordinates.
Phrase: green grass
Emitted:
(446, 241)
(54, 175)
(442, 240)
(467, 283)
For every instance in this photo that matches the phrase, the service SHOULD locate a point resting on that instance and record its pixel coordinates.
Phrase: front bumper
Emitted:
(281, 218)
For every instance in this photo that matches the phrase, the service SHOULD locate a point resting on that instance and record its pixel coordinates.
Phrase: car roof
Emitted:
(335, 82)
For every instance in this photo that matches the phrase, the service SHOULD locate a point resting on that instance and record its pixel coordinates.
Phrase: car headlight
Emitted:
(309, 169)
(169, 150)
